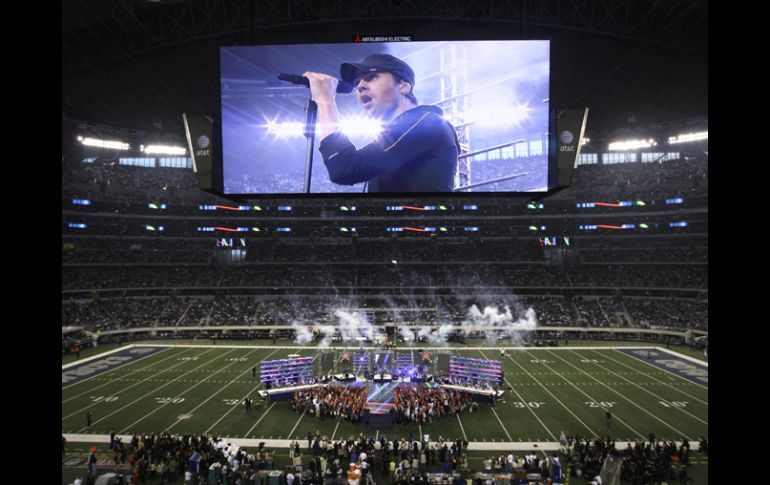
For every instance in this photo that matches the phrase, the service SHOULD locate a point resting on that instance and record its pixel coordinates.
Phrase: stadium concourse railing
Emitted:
(222, 331)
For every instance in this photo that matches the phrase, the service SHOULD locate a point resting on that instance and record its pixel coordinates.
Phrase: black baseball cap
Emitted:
(377, 63)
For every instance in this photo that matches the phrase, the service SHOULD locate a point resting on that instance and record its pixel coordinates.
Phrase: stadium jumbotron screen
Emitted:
(418, 117)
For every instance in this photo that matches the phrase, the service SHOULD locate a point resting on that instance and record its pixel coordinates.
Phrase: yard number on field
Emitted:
(674, 404)
(520, 404)
(603, 404)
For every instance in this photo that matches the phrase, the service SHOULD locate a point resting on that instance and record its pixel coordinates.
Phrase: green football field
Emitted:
(198, 389)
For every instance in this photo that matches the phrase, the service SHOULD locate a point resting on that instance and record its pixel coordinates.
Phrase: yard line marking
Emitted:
(266, 411)
(650, 392)
(593, 400)
(244, 397)
(594, 433)
(666, 371)
(181, 393)
(627, 399)
(220, 389)
(297, 424)
(122, 390)
(530, 409)
(335, 429)
(461, 427)
(260, 418)
(152, 391)
(501, 424)
(106, 374)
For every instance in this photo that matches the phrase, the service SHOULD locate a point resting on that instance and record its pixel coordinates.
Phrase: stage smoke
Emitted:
(354, 326)
(407, 335)
(303, 335)
(436, 336)
(502, 323)
(328, 333)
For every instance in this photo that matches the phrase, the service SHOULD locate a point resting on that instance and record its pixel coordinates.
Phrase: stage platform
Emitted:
(380, 378)
(284, 393)
(483, 393)
(348, 377)
(380, 421)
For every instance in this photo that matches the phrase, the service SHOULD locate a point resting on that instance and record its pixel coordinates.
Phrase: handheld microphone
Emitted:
(342, 86)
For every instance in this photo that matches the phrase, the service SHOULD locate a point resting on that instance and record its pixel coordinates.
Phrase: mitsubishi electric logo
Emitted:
(203, 141)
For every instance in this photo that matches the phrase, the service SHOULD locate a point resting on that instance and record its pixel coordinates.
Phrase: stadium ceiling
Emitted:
(141, 63)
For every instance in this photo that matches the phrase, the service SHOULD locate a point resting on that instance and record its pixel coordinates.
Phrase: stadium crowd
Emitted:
(331, 401)
(106, 178)
(653, 461)
(208, 460)
(422, 405)
(193, 459)
(116, 275)
(207, 311)
(378, 275)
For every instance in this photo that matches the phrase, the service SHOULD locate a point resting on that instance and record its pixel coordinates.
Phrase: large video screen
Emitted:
(420, 117)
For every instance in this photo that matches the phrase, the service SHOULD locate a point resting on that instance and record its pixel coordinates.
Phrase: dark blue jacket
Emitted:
(416, 152)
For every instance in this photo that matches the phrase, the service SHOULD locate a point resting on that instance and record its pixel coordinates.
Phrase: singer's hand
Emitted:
(323, 88)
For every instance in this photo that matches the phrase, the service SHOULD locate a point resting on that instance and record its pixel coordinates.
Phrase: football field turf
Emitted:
(200, 389)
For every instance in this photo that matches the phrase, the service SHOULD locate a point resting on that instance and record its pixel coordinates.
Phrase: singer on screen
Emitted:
(417, 149)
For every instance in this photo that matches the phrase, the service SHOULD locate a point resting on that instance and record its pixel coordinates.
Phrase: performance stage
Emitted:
(382, 372)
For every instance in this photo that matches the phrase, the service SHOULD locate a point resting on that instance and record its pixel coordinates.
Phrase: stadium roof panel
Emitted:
(142, 63)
